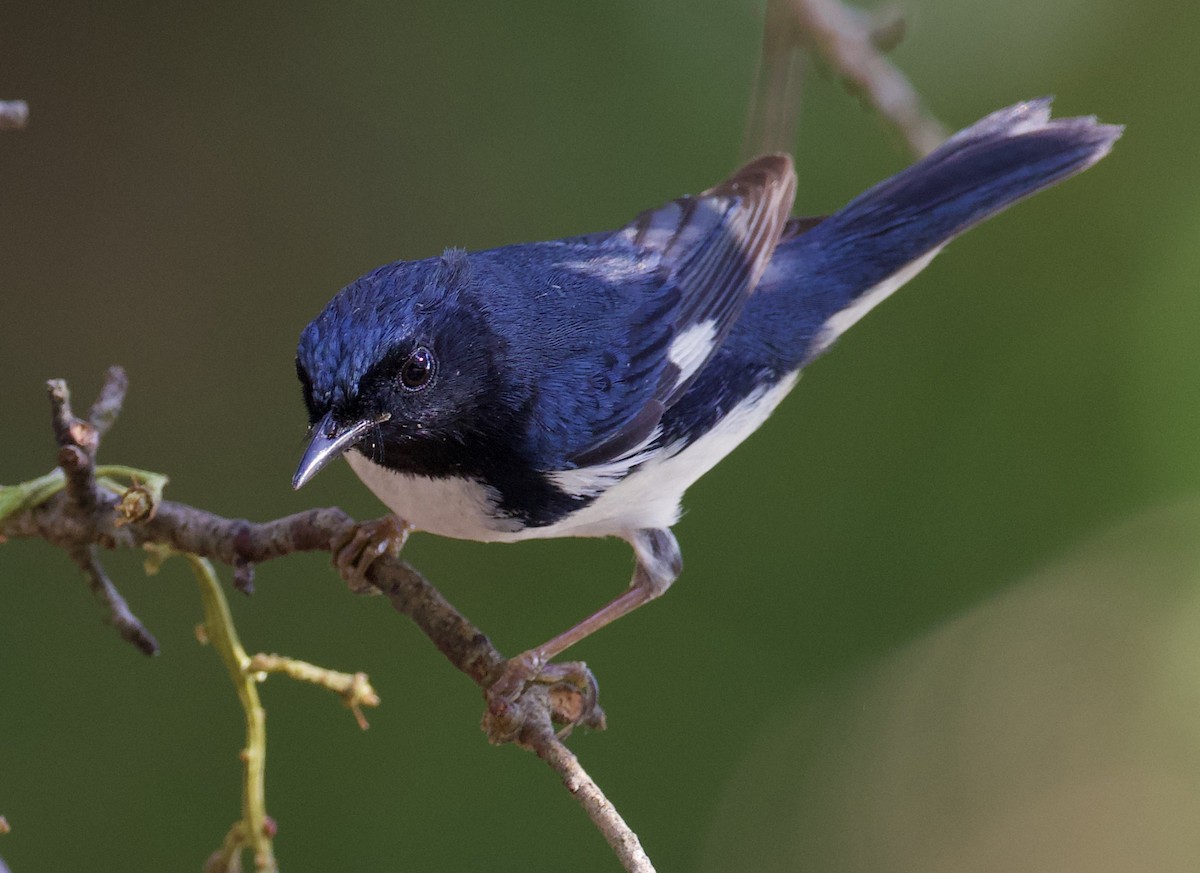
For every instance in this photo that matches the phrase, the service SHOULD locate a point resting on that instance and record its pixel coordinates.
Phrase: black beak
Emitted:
(328, 441)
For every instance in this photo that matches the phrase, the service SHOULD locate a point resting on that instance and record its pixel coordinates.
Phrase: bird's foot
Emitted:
(363, 545)
(528, 689)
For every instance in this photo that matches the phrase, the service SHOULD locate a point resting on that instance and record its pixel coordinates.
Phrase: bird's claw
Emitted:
(355, 551)
(528, 688)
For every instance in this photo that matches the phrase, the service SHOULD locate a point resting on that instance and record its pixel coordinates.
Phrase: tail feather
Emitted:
(855, 258)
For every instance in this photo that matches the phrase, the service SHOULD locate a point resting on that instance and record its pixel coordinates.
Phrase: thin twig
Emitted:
(120, 615)
(77, 444)
(624, 842)
(775, 100)
(847, 40)
(255, 829)
(354, 688)
(108, 403)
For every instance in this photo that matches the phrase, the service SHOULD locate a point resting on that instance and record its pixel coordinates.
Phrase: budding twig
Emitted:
(251, 831)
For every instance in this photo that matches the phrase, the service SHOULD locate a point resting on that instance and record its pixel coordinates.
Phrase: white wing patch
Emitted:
(590, 481)
(692, 347)
(842, 321)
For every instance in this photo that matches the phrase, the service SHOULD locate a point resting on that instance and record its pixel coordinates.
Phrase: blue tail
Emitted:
(849, 262)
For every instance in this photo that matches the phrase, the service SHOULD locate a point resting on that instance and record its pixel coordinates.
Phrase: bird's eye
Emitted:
(417, 370)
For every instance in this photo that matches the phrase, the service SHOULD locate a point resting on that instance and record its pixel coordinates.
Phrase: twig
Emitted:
(852, 44)
(354, 688)
(127, 624)
(77, 443)
(14, 114)
(624, 842)
(255, 829)
(775, 99)
(108, 403)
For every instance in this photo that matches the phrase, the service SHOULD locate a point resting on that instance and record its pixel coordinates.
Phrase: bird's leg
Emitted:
(365, 543)
(658, 565)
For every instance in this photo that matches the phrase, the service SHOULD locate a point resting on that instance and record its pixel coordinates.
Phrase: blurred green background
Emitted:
(197, 181)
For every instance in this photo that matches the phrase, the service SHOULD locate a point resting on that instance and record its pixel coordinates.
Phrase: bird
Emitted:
(578, 387)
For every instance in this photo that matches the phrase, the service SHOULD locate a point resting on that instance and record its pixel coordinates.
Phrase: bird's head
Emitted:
(395, 365)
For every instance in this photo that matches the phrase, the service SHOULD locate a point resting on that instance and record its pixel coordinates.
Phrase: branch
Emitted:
(544, 743)
(122, 618)
(81, 506)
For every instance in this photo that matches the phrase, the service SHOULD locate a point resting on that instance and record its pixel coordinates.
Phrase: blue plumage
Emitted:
(579, 386)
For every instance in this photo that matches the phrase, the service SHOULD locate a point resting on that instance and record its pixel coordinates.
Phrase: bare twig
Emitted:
(77, 443)
(127, 624)
(543, 742)
(14, 114)
(852, 43)
(82, 506)
(775, 100)
(108, 403)
(845, 40)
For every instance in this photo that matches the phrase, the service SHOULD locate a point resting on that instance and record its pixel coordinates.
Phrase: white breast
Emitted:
(461, 508)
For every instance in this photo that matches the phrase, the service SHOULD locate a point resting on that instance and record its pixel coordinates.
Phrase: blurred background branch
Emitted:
(851, 43)
(14, 114)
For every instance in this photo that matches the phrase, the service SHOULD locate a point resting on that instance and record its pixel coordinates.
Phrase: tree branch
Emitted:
(544, 743)
(82, 507)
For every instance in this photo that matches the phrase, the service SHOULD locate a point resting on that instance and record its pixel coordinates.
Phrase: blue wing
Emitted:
(639, 311)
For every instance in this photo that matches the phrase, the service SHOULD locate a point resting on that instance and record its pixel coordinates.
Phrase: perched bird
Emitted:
(578, 387)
